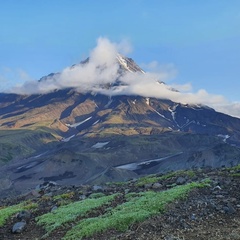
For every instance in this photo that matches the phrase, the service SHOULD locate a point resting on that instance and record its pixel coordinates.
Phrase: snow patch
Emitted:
(96, 122)
(188, 122)
(173, 113)
(39, 155)
(123, 62)
(67, 139)
(225, 137)
(99, 144)
(161, 115)
(78, 124)
(138, 165)
(108, 104)
(147, 101)
(130, 166)
(196, 109)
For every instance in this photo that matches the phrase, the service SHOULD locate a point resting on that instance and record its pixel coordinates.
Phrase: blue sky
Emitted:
(201, 39)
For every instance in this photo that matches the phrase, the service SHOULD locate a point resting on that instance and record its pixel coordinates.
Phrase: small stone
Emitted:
(82, 197)
(180, 180)
(193, 217)
(148, 185)
(156, 185)
(231, 209)
(219, 196)
(18, 227)
(38, 188)
(35, 193)
(169, 237)
(24, 215)
(97, 188)
(126, 191)
(217, 188)
(50, 194)
(54, 208)
(225, 209)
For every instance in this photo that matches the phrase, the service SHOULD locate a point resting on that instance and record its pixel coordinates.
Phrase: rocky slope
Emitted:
(99, 160)
(200, 204)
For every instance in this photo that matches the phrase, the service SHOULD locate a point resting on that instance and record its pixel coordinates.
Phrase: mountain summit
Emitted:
(128, 64)
(94, 74)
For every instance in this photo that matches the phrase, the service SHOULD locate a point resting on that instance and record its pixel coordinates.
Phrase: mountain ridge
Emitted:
(51, 135)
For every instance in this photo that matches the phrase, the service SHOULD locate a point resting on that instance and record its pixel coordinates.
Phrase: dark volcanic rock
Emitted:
(181, 180)
(24, 215)
(19, 227)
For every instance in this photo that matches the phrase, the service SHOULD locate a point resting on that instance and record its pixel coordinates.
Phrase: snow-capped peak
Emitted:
(128, 64)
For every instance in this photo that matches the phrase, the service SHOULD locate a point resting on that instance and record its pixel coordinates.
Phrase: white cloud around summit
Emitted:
(102, 68)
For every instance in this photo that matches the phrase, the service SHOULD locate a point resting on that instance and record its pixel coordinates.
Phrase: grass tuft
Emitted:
(96, 195)
(8, 212)
(71, 212)
(138, 208)
(68, 195)
(153, 178)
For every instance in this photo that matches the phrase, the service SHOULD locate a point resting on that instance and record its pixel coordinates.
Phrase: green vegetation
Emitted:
(234, 171)
(190, 173)
(147, 180)
(132, 195)
(7, 212)
(68, 195)
(22, 143)
(85, 218)
(97, 195)
(7, 157)
(236, 168)
(31, 206)
(71, 212)
(153, 178)
(235, 175)
(137, 209)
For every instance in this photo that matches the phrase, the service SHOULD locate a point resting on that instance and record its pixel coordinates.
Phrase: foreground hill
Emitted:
(200, 204)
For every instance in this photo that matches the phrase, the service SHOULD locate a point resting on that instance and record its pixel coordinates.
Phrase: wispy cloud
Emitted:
(8, 74)
(102, 69)
(232, 109)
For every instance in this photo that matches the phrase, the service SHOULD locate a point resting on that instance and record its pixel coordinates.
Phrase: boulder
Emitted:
(18, 227)
(180, 180)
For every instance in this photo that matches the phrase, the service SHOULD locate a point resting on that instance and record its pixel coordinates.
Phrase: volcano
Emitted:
(73, 136)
